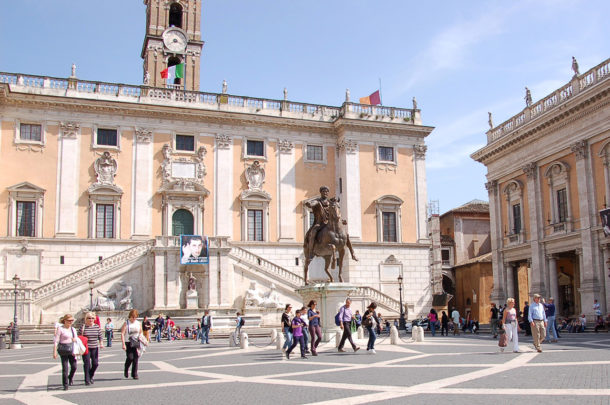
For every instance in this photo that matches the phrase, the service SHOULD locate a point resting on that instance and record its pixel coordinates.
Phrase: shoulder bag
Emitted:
(134, 341)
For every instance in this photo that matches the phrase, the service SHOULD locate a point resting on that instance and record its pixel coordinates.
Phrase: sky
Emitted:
(459, 59)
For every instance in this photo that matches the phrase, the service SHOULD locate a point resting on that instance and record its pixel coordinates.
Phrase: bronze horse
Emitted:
(330, 239)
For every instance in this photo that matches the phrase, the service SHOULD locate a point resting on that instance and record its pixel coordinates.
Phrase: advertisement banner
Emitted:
(194, 249)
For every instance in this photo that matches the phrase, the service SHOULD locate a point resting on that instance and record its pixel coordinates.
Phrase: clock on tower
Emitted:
(173, 36)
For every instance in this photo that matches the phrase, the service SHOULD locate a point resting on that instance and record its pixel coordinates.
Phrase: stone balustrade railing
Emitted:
(378, 297)
(8, 294)
(275, 271)
(95, 270)
(73, 87)
(591, 78)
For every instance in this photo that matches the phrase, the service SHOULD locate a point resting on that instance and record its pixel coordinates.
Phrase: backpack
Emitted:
(338, 318)
(242, 322)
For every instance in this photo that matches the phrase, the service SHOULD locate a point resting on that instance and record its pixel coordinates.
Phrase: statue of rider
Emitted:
(319, 207)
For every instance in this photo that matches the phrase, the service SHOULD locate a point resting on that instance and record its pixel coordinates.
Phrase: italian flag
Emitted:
(173, 72)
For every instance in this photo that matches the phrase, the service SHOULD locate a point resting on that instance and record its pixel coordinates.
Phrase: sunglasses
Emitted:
(69, 320)
(90, 317)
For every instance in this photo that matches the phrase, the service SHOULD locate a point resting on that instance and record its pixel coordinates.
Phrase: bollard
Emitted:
(232, 339)
(338, 338)
(243, 341)
(280, 341)
(394, 335)
(418, 334)
(273, 335)
(361, 332)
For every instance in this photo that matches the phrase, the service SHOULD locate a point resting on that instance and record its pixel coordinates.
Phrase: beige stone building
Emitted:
(548, 178)
(98, 179)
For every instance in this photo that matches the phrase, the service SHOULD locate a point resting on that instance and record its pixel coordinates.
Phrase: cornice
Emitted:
(343, 125)
(558, 119)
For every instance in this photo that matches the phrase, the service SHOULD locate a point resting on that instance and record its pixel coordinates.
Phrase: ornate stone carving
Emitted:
(223, 141)
(255, 175)
(531, 170)
(118, 297)
(420, 151)
(143, 135)
(105, 168)
(347, 145)
(69, 129)
(491, 186)
(183, 173)
(575, 67)
(285, 145)
(580, 149)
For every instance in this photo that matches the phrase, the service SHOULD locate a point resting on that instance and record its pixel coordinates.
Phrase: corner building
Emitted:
(98, 179)
(548, 178)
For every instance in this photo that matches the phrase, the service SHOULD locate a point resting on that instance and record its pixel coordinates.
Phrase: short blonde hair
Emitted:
(508, 301)
(89, 314)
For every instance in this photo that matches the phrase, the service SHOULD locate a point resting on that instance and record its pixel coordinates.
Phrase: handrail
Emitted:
(272, 269)
(378, 297)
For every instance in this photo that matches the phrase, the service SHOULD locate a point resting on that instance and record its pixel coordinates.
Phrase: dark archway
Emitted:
(175, 15)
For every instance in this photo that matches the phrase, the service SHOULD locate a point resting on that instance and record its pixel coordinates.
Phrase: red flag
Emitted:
(164, 73)
(375, 98)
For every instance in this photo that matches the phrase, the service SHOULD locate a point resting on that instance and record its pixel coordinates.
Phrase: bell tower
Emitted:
(173, 38)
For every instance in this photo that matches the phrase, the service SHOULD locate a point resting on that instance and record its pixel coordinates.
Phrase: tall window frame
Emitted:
(105, 195)
(251, 201)
(514, 226)
(557, 175)
(388, 208)
(104, 221)
(33, 196)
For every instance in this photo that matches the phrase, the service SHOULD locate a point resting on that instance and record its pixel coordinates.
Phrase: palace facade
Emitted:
(548, 178)
(98, 179)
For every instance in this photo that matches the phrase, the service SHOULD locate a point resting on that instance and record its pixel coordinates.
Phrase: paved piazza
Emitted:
(466, 369)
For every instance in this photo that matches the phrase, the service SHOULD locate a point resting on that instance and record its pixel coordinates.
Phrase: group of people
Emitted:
(90, 337)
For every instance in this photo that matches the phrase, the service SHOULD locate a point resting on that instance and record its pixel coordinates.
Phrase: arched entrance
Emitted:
(182, 223)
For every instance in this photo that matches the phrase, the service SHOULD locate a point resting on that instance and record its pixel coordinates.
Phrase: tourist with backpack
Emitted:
(239, 322)
(369, 321)
(297, 325)
(344, 318)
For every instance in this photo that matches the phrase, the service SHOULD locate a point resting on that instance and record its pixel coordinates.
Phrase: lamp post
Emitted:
(401, 321)
(91, 284)
(15, 331)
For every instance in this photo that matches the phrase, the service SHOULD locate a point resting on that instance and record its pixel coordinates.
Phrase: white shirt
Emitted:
(132, 329)
(305, 319)
(456, 316)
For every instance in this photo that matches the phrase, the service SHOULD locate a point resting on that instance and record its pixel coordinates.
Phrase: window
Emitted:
(386, 154)
(562, 205)
(31, 132)
(255, 148)
(445, 255)
(516, 218)
(104, 221)
(255, 225)
(389, 227)
(182, 223)
(185, 143)
(315, 153)
(175, 15)
(107, 137)
(26, 218)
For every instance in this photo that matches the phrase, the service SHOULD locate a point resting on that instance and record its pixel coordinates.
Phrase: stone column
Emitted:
(160, 279)
(553, 279)
(286, 190)
(223, 186)
(606, 272)
(589, 283)
(498, 292)
(537, 265)
(421, 191)
(220, 275)
(510, 280)
(68, 165)
(349, 169)
(142, 179)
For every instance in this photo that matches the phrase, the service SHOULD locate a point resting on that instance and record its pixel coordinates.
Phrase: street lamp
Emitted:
(15, 331)
(91, 284)
(401, 321)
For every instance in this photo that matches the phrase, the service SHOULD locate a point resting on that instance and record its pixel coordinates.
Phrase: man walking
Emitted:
(549, 310)
(494, 320)
(345, 317)
(537, 321)
(206, 327)
(526, 311)
(455, 318)
(159, 324)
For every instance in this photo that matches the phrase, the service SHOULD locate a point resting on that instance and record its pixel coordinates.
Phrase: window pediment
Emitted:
(514, 187)
(389, 200)
(26, 188)
(255, 195)
(557, 169)
(104, 190)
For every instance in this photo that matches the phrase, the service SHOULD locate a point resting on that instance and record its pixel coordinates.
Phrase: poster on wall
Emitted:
(194, 249)
(605, 214)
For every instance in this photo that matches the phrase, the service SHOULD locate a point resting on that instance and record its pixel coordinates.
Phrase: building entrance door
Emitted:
(568, 282)
(182, 223)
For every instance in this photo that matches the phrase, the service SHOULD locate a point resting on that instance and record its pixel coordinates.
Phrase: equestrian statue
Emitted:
(327, 235)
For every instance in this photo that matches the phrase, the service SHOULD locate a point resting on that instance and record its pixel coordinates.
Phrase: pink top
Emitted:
(511, 315)
(432, 317)
(63, 335)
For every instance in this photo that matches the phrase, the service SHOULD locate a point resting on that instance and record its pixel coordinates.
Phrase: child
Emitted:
(503, 341)
(297, 333)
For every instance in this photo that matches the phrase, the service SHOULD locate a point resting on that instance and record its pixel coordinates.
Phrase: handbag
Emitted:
(78, 348)
(134, 341)
(66, 349)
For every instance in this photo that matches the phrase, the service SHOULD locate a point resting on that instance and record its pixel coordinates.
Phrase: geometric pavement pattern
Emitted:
(467, 369)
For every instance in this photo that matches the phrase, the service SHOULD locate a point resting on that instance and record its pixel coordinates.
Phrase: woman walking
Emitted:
(444, 324)
(93, 333)
(510, 324)
(109, 330)
(65, 337)
(432, 319)
(287, 327)
(131, 333)
(314, 326)
(297, 335)
(368, 321)
(146, 327)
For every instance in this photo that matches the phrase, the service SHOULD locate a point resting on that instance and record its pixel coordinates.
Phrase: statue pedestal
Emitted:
(192, 300)
(330, 297)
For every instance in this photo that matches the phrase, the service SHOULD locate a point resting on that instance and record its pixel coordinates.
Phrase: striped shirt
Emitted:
(93, 334)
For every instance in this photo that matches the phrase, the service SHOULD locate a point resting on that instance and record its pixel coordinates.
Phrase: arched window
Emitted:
(173, 61)
(175, 15)
(182, 223)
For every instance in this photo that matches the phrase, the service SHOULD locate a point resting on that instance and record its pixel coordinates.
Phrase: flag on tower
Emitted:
(373, 99)
(173, 72)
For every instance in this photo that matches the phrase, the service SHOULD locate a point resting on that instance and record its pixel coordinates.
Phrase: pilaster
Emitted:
(510, 280)
(537, 285)
(421, 191)
(350, 173)
(223, 186)
(220, 280)
(286, 190)
(497, 294)
(67, 179)
(142, 184)
(553, 281)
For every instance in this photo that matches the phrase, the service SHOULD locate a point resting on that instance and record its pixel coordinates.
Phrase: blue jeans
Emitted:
(159, 332)
(550, 326)
(205, 334)
(372, 337)
(288, 335)
(433, 328)
(237, 335)
(306, 336)
(109, 338)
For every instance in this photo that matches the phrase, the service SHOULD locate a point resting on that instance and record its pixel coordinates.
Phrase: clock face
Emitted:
(174, 40)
